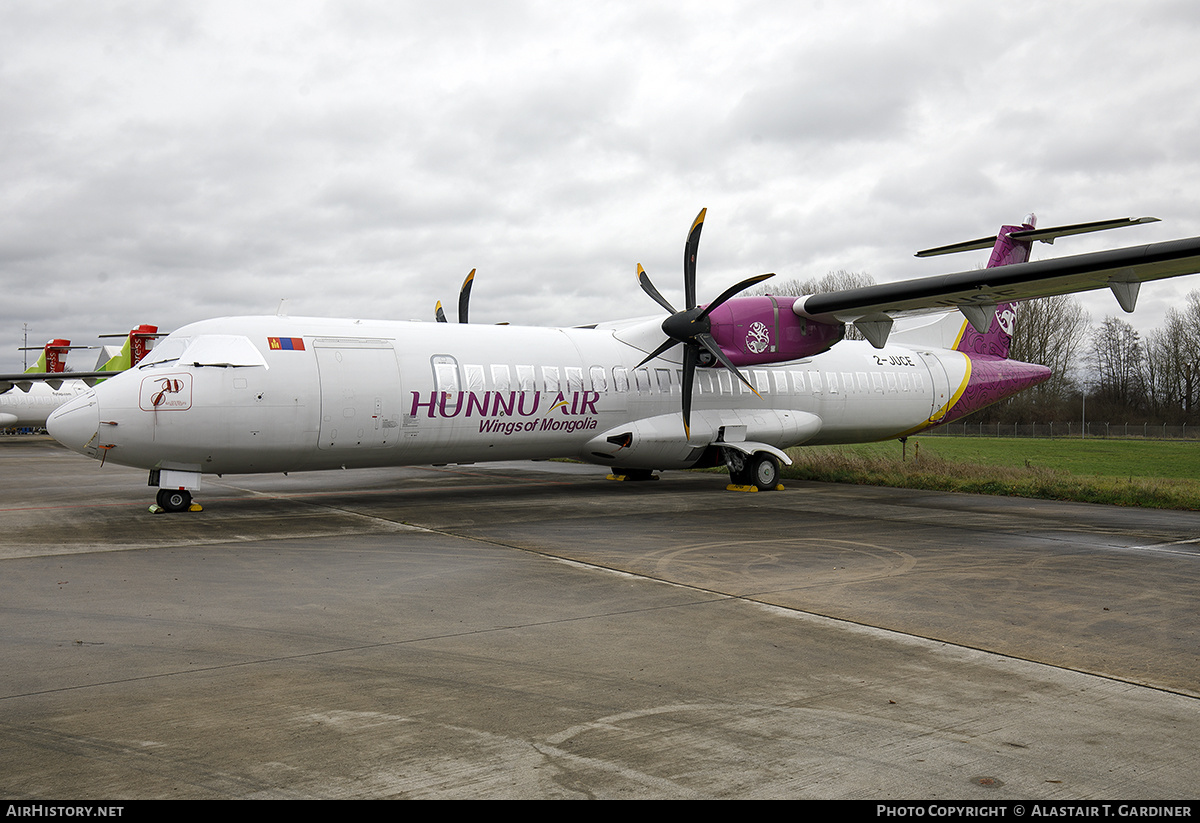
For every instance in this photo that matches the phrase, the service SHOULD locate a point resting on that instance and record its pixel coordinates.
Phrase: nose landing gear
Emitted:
(175, 500)
(174, 487)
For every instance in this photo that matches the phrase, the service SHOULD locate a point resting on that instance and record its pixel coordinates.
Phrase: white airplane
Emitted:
(28, 398)
(733, 382)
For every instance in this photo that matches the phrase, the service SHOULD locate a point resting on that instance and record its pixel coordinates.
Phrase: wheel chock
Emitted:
(157, 509)
(735, 488)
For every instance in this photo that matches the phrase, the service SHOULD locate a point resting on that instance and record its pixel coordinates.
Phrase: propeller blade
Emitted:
(691, 326)
(464, 296)
(671, 343)
(710, 343)
(648, 288)
(689, 260)
(691, 354)
(439, 314)
(732, 290)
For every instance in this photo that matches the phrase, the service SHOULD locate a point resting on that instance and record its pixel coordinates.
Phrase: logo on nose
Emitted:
(168, 392)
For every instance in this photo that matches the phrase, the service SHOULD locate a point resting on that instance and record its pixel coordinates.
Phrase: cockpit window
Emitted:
(223, 350)
(167, 350)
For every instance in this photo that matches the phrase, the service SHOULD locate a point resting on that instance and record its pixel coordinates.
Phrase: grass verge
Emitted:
(1120, 473)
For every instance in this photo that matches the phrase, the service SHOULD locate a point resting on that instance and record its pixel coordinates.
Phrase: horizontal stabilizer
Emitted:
(1044, 235)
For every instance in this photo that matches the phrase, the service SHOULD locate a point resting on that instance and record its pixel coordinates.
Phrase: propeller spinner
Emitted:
(692, 327)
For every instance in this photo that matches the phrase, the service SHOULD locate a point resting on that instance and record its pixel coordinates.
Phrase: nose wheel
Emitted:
(174, 500)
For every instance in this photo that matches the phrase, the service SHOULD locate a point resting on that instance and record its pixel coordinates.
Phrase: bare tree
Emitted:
(1051, 331)
(1117, 359)
(833, 281)
(1170, 363)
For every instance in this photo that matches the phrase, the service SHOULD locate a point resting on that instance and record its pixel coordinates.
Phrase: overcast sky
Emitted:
(168, 162)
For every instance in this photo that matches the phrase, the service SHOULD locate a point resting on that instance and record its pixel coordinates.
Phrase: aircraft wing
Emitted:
(26, 379)
(1121, 270)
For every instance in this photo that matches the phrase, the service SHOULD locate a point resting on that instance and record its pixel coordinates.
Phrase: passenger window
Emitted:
(474, 375)
(620, 379)
(526, 379)
(574, 378)
(664, 380)
(642, 376)
(599, 378)
(501, 379)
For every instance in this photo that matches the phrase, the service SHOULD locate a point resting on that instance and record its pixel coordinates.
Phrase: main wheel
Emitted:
(764, 468)
(175, 500)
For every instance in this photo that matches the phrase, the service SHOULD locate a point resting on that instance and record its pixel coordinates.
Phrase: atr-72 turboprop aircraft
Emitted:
(735, 381)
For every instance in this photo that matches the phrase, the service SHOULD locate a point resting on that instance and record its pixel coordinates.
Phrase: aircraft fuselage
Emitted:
(265, 394)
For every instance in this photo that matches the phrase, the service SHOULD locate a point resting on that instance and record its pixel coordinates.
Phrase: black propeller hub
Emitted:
(685, 325)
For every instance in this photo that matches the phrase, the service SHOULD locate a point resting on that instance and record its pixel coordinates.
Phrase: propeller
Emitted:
(464, 301)
(692, 327)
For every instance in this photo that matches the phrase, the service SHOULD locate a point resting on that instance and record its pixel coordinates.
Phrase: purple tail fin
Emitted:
(997, 339)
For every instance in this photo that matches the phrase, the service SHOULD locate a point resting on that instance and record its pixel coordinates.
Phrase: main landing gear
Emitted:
(752, 472)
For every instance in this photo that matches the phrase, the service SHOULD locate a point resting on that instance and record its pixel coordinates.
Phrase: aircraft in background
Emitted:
(28, 398)
(732, 382)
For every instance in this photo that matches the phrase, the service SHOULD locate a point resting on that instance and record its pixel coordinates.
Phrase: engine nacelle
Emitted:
(752, 330)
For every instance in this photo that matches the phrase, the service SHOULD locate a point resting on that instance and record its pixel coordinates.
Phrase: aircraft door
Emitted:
(360, 394)
(940, 401)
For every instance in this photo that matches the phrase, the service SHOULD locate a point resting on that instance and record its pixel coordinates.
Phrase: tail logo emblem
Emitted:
(1007, 319)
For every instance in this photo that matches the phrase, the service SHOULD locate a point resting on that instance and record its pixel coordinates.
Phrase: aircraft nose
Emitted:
(75, 424)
